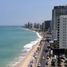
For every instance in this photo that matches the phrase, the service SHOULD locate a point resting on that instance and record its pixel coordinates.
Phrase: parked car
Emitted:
(46, 62)
(65, 63)
(43, 58)
(39, 65)
(46, 50)
(53, 62)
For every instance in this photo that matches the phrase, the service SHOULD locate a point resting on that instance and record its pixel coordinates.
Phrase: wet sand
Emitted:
(25, 62)
(28, 57)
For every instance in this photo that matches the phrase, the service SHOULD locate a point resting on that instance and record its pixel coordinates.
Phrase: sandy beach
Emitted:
(25, 62)
(28, 57)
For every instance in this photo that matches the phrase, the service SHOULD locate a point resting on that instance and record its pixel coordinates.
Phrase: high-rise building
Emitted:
(56, 13)
(63, 32)
(46, 25)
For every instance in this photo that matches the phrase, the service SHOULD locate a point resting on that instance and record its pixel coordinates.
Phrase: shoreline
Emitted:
(31, 50)
(28, 57)
(25, 62)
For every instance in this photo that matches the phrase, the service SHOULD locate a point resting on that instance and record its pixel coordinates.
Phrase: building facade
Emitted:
(63, 32)
(56, 13)
(46, 25)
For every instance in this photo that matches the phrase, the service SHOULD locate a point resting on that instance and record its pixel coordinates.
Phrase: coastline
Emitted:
(24, 60)
(30, 54)
(28, 57)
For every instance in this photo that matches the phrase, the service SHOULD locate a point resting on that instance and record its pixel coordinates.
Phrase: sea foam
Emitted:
(26, 49)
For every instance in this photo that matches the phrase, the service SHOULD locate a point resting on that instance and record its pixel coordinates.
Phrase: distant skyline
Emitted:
(19, 12)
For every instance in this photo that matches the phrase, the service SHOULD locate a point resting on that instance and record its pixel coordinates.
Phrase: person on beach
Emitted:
(30, 64)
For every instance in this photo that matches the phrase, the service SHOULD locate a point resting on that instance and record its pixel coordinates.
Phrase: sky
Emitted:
(19, 12)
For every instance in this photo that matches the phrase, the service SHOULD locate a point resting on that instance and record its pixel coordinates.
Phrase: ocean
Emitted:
(15, 41)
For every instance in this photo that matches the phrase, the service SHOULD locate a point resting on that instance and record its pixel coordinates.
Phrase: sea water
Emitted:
(13, 40)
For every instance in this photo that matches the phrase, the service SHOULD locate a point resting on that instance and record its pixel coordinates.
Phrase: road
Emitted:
(44, 54)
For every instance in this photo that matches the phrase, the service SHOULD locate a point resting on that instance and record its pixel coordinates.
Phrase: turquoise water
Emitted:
(12, 41)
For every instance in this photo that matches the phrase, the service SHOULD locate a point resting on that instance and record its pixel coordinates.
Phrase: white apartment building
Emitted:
(56, 13)
(63, 32)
